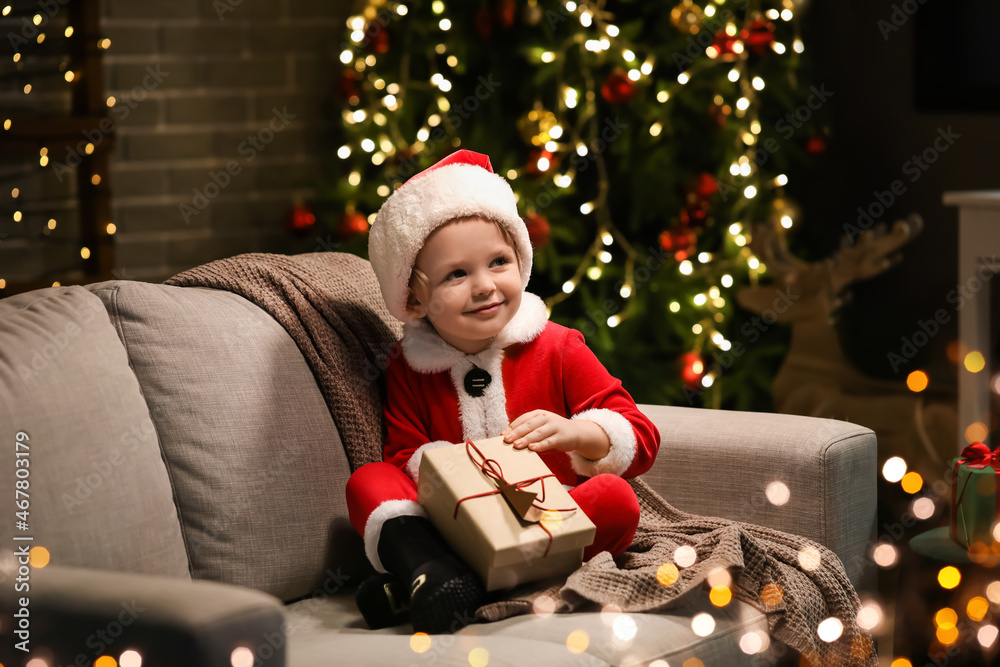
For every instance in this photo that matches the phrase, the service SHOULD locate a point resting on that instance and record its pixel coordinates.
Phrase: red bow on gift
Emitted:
(521, 500)
(977, 455)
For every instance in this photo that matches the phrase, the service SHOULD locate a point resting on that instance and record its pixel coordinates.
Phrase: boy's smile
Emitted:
(474, 283)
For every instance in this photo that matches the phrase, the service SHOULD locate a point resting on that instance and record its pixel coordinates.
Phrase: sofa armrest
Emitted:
(720, 463)
(76, 615)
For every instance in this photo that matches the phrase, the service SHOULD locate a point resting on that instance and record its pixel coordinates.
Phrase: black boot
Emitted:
(384, 601)
(444, 592)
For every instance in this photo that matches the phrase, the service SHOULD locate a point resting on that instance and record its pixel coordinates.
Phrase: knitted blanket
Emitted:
(331, 306)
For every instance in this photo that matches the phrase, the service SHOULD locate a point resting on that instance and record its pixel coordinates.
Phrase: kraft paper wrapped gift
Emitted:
(503, 549)
(974, 507)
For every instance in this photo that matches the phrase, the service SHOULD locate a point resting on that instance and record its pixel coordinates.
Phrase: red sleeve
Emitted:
(592, 393)
(406, 430)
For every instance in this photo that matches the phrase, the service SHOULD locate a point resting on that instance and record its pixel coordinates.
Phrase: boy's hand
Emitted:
(541, 430)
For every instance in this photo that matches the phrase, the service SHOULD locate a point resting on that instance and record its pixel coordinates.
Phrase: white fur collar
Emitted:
(427, 352)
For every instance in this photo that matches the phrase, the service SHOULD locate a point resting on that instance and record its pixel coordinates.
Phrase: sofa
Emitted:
(185, 504)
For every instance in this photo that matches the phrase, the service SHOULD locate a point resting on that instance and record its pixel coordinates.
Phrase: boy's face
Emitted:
(474, 285)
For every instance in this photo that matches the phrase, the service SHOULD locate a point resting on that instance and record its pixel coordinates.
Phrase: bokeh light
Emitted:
(912, 482)
(577, 641)
(923, 508)
(977, 608)
(720, 596)
(893, 469)
(949, 577)
(976, 432)
(987, 635)
(685, 556)
(703, 624)
(667, 574)
(974, 361)
(777, 493)
(809, 558)
(885, 555)
(420, 642)
(240, 657)
(771, 594)
(917, 381)
(830, 629)
(479, 657)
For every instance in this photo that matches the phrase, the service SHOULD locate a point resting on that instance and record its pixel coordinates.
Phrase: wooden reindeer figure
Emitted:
(816, 378)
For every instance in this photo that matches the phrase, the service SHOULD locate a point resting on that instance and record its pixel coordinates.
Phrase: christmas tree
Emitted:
(644, 143)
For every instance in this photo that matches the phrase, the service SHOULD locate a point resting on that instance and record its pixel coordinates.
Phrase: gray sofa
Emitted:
(187, 481)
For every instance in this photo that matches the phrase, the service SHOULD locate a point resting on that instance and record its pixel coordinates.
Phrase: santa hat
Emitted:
(461, 185)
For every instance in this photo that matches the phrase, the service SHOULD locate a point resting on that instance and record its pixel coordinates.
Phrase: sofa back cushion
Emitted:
(98, 491)
(257, 465)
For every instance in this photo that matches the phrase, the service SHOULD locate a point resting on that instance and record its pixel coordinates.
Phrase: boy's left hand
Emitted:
(541, 430)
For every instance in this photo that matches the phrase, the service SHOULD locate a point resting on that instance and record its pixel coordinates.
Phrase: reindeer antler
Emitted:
(818, 285)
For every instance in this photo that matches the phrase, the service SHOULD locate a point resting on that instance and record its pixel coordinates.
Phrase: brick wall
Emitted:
(220, 112)
(226, 138)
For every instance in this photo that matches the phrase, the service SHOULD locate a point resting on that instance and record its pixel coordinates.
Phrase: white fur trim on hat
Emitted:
(622, 437)
(413, 465)
(424, 203)
(390, 509)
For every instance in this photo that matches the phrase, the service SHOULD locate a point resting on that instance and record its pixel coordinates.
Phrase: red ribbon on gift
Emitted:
(976, 456)
(491, 468)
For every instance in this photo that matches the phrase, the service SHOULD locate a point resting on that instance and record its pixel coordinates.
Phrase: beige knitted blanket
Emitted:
(331, 306)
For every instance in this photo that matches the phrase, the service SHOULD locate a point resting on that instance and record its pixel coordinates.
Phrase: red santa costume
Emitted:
(531, 364)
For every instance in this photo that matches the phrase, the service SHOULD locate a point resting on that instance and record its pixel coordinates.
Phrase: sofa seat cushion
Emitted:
(257, 465)
(324, 626)
(98, 489)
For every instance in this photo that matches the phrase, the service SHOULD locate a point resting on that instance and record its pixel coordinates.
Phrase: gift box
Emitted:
(476, 495)
(974, 507)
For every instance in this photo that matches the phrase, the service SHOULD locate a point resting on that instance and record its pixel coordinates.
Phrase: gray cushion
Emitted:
(257, 466)
(99, 492)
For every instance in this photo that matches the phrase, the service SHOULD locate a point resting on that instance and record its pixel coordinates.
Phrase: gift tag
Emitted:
(521, 501)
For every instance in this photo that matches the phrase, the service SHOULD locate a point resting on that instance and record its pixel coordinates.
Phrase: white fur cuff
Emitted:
(390, 509)
(622, 437)
(413, 465)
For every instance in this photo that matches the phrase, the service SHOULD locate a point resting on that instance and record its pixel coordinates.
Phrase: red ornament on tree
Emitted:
(680, 241)
(347, 84)
(725, 47)
(618, 88)
(695, 214)
(377, 38)
(758, 35)
(351, 224)
(506, 13)
(483, 22)
(706, 186)
(816, 144)
(692, 368)
(300, 219)
(538, 229)
(539, 162)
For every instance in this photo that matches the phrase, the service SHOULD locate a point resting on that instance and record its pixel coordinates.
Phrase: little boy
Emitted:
(479, 358)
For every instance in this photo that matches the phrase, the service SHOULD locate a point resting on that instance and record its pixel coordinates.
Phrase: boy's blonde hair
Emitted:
(419, 280)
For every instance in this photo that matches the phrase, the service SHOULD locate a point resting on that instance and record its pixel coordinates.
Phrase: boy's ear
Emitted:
(415, 307)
